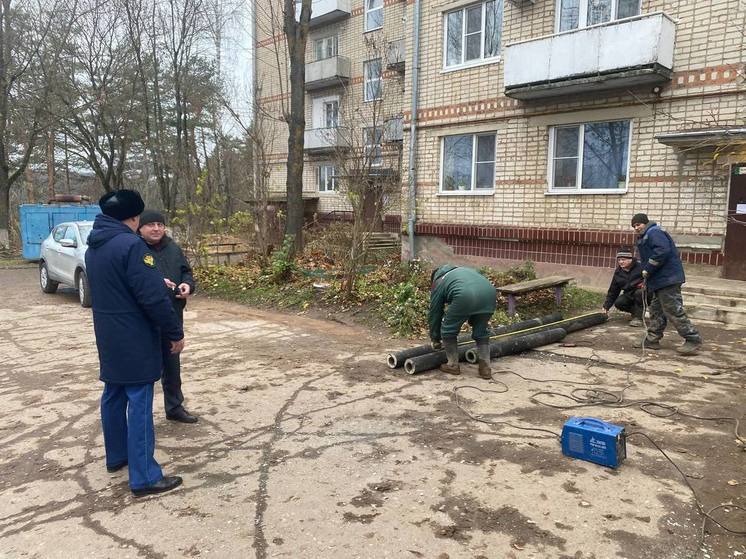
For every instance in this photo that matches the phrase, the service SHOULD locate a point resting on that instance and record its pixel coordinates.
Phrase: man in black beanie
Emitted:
(177, 274)
(625, 291)
(663, 273)
(131, 312)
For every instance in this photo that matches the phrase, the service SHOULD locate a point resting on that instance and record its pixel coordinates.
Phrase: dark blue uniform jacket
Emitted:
(131, 306)
(660, 258)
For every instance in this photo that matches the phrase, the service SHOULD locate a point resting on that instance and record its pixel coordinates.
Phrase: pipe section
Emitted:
(398, 358)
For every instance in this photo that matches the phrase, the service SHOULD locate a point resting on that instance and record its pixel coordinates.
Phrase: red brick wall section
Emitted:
(595, 248)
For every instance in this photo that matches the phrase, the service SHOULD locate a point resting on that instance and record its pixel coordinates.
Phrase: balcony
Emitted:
(617, 54)
(325, 140)
(396, 55)
(324, 12)
(329, 72)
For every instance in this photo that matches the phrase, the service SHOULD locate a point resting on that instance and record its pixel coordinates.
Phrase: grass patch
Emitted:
(390, 293)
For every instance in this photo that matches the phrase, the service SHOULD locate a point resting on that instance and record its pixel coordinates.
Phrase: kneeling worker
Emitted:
(470, 297)
(625, 291)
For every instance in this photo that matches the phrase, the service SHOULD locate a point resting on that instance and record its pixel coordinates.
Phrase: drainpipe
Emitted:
(412, 191)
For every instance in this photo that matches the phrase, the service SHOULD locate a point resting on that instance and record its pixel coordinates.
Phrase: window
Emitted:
(468, 163)
(574, 14)
(70, 234)
(373, 80)
(59, 233)
(325, 48)
(373, 14)
(326, 178)
(331, 114)
(372, 138)
(591, 156)
(473, 33)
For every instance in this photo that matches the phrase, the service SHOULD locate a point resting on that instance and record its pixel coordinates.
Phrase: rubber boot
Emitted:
(483, 363)
(689, 347)
(451, 347)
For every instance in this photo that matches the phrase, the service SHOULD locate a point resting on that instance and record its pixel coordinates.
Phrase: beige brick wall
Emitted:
(685, 190)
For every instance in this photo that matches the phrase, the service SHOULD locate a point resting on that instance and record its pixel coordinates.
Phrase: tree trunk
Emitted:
(4, 208)
(50, 165)
(297, 37)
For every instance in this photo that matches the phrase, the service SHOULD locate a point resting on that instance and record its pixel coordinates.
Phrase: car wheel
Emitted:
(47, 285)
(84, 290)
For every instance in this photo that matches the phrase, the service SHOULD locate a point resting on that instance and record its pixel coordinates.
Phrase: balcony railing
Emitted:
(320, 140)
(329, 72)
(617, 54)
(324, 12)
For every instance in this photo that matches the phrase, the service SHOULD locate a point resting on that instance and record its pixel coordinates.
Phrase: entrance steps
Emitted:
(716, 300)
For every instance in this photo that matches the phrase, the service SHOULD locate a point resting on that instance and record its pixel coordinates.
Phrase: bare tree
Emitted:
(296, 35)
(367, 162)
(24, 27)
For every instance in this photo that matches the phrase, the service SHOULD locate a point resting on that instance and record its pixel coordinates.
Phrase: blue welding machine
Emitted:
(594, 440)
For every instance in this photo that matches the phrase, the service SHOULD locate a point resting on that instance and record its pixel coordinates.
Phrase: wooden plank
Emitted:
(535, 285)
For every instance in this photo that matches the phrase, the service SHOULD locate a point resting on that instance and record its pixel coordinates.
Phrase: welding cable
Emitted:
(707, 514)
(481, 419)
(603, 398)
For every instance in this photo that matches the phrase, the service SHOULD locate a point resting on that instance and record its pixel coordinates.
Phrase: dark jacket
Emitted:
(626, 281)
(173, 265)
(659, 258)
(466, 291)
(130, 304)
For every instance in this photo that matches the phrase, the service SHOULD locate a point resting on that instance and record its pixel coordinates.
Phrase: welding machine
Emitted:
(594, 440)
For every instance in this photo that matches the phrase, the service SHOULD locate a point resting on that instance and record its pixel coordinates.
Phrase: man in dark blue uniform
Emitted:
(177, 275)
(663, 273)
(131, 310)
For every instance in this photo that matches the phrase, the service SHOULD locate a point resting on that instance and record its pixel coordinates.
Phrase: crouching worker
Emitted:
(470, 297)
(625, 291)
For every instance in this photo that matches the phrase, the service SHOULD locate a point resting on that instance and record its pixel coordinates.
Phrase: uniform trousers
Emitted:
(129, 435)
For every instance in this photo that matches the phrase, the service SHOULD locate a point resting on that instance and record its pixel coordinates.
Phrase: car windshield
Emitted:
(84, 232)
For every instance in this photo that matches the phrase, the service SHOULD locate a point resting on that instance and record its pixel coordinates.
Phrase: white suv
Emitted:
(62, 259)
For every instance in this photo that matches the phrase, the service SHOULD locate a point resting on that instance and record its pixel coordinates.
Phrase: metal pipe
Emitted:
(508, 346)
(398, 358)
(568, 325)
(413, 130)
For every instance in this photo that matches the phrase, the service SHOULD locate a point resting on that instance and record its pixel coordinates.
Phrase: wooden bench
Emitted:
(524, 287)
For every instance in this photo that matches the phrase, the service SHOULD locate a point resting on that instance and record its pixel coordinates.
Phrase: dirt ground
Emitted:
(308, 446)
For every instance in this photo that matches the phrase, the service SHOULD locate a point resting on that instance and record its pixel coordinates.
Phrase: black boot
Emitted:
(451, 347)
(181, 415)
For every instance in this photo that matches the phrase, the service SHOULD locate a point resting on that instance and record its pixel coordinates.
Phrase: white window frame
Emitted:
(370, 11)
(477, 61)
(325, 42)
(318, 111)
(473, 191)
(577, 189)
(366, 81)
(324, 168)
(325, 116)
(583, 15)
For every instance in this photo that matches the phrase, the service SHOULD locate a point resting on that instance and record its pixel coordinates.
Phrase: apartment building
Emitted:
(542, 126)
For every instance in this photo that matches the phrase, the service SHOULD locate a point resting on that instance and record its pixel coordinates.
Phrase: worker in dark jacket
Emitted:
(178, 278)
(470, 297)
(625, 290)
(663, 273)
(131, 311)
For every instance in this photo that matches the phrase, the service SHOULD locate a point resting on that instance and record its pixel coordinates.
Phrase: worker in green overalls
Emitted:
(470, 297)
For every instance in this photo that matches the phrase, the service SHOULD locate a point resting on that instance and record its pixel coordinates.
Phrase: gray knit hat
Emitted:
(625, 252)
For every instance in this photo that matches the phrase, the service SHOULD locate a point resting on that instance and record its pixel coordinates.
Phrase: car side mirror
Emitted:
(69, 243)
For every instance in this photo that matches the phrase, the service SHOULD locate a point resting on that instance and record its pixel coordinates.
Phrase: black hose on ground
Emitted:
(397, 359)
(508, 346)
(568, 325)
